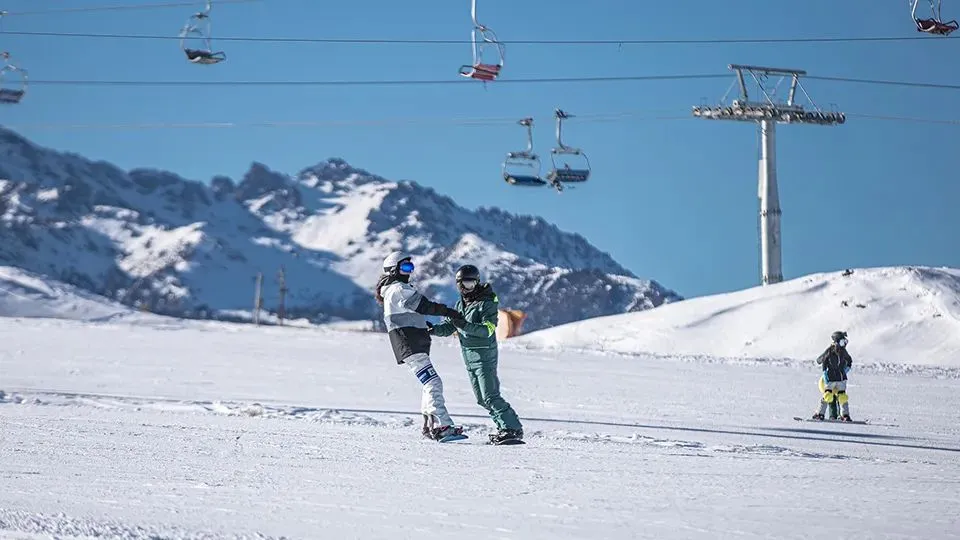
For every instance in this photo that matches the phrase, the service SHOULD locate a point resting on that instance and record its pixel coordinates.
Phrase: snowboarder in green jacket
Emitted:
(479, 306)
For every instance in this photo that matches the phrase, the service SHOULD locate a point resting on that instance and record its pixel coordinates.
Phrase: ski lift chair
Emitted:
(11, 91)
(197, 28)
(935, 24)
(480, 70)
(562, 172)
(522, 168)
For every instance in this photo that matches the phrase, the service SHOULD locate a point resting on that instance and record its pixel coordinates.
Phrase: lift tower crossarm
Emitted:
(768, 112)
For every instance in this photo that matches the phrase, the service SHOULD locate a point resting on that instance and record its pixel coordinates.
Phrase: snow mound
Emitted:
(25, 294)
(894, 315)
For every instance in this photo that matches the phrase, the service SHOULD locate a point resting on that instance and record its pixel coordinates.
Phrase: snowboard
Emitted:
(508, 442)
(451, 438)
(799, 419)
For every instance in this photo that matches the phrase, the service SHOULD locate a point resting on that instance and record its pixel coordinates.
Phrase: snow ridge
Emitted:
(896, 318)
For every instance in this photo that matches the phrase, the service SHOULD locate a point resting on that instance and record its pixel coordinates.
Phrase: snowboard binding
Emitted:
(431, 431)
(507, 437)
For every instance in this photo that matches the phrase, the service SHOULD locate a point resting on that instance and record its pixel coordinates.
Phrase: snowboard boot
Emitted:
(506, 434)
(818, 416)
(443, 431)
(846, 418)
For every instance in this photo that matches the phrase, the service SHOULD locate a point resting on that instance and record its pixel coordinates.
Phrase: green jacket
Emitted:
(480, 311)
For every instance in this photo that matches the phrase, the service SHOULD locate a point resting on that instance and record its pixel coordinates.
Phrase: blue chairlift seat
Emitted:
(568, 175)
(198, 56)
(11, 96)
(524, 180)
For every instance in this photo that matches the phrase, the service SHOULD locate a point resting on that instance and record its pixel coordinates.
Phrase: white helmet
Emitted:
(393, 260)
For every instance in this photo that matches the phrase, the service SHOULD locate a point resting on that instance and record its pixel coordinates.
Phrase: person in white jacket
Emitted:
(404, 310)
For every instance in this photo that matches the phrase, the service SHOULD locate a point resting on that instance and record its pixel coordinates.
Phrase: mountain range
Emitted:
(186, 248)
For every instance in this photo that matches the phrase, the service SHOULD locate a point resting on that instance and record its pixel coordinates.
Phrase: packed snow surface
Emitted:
(176, 429)
(907, 316)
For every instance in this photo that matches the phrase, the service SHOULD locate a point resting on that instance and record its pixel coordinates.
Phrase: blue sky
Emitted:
(673, 200)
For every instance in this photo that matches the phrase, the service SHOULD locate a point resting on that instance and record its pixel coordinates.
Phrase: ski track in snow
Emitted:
(196, 431)
(398, 419)
(26, 525)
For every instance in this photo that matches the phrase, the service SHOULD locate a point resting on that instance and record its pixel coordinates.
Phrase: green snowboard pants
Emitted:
(482, 370)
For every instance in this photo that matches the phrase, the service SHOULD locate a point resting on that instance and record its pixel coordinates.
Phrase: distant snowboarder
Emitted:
(478, 344)
(835, 363)
(403, 312)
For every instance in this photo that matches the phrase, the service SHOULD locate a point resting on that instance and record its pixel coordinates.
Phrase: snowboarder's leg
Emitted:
(821, 411)
(843, 400)
(432, 402)
(503, 414)
(826, 387)
(483, 368)
(823, 402)
(473, 373)
(428, 425)
(828, 400)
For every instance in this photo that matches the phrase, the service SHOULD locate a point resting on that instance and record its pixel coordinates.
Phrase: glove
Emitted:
(459, 322)
(453, 314)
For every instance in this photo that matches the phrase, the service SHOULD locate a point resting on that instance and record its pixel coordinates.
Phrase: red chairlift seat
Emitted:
(481, 72)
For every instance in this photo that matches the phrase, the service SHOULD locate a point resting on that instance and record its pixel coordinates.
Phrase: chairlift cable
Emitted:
(423, 82)
(381, 82)
(881, 82)
(477, 122)
(637, 116)
(453, 41)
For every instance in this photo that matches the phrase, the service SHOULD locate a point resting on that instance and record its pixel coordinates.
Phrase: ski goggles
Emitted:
(406, 267)
(842, 342)
(468, 284)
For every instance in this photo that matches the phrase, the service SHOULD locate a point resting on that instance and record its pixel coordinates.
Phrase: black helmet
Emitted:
(838, 336)
(468, 277)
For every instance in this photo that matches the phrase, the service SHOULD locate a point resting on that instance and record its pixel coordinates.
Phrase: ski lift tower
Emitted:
(768, 111)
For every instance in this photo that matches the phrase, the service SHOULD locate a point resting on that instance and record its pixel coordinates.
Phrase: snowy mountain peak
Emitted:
(181, 247)
(335, 170)
(260, 180)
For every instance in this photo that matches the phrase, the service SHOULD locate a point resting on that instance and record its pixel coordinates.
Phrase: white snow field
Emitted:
(162, 428)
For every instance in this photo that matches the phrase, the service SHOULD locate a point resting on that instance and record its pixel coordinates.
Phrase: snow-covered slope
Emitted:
(214, 431)
(897, 315)
(183, 248)
(24, 294)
